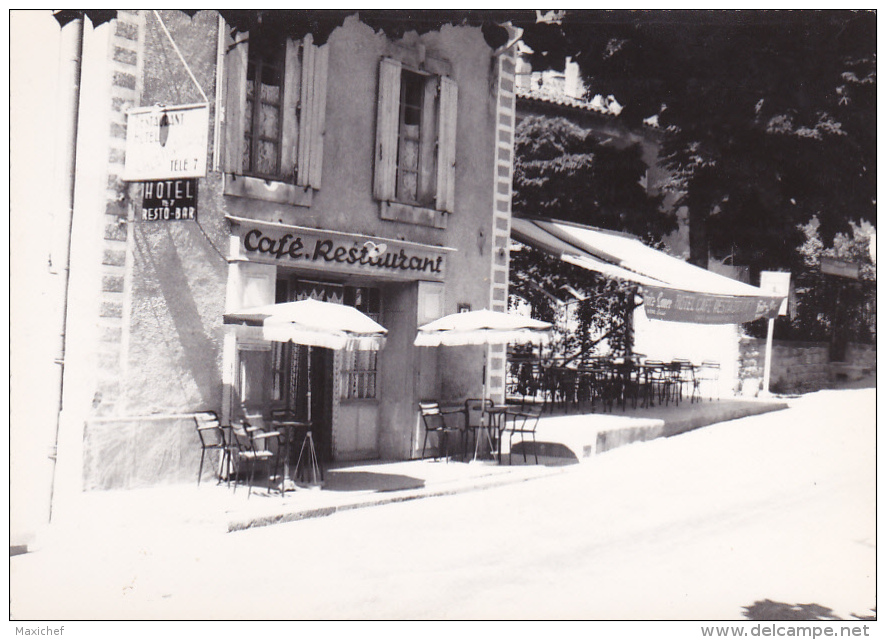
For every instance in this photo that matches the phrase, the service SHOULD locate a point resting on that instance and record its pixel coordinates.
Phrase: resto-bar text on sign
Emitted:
(169, 200)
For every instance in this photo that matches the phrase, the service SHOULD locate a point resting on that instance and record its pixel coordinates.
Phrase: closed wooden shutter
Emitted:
(427, 185)
(446, 145)
(312, 121)
(236, 62)
(318, 124)
(305, 116)
(291, 97)
(387, 122)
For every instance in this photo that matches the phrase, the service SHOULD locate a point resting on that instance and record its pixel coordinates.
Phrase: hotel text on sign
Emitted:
(165, 143)
(169, 200)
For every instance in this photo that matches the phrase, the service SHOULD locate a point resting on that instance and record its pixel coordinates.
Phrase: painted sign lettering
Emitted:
(705, 308)
(169, 200)
(344, 253)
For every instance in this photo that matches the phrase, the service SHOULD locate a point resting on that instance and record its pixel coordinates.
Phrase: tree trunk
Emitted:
(698, 234)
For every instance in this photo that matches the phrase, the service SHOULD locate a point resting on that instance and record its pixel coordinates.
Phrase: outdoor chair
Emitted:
(523, 423)
(658, 380)
(684, 378)
(708, 375)
(605, 385)
(672, 373)
(434, 420)
(253, 447)
(645, 381)
(628, 384)
(212, 438)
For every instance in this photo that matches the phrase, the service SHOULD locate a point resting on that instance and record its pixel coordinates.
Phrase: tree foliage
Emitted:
(770, 114)
(591, 312)
(563, 171)
(770, 121)
(826, 307)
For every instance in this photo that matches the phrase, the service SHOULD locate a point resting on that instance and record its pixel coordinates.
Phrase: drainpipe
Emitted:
(59, 261)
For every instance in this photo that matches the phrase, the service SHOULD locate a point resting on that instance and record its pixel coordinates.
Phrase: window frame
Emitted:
(435, 171)
(302, 121)
(253, 129)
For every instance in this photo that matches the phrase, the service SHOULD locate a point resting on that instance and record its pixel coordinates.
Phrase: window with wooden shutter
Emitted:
(446, 145)
(387, 129)
(415, 144)
(263, 113)
(275, 116)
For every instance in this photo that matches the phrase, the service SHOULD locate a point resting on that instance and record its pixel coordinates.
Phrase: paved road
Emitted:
(759, 513)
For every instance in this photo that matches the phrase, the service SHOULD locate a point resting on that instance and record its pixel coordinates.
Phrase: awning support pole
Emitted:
(767, 366)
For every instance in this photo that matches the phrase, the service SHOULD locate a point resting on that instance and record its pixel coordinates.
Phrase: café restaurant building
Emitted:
(350, 167)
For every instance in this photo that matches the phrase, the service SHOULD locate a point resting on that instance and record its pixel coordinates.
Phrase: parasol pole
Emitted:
(483, 428)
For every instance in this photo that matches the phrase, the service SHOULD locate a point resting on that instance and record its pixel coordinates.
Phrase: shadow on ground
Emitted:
(771, 610)
(370, 481)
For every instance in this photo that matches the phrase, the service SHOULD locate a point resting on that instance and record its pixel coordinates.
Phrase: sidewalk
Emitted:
(582, 436)
(563, 440)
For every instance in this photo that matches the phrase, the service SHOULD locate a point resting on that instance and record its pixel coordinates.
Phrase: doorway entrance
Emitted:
(302, 381)
(337, 392)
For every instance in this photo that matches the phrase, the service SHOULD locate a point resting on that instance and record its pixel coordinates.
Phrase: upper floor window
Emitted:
(414, 181)
(262, 121)
(275, 107)
(415, 137)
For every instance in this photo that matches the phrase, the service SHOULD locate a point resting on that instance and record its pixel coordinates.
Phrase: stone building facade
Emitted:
(364, 170)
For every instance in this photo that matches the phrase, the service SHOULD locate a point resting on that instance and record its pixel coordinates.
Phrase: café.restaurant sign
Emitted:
(676, 305)
(338, 252)
(164, 143)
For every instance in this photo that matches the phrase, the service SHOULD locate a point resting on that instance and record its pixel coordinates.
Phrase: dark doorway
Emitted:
(303, 382)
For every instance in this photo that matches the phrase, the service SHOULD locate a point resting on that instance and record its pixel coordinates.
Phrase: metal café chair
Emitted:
(434, 421)
(684, 377)
(708, 375)
(524, 424)
(212, 438)
(253, 447)
(658, 382)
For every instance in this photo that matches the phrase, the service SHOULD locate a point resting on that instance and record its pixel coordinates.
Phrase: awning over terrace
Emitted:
(672, 289)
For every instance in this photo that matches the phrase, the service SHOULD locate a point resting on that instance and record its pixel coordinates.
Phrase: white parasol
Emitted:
(483, 327)
(313, 323)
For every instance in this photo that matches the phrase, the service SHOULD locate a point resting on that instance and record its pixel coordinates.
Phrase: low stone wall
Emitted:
(799, 366)
(862, 355)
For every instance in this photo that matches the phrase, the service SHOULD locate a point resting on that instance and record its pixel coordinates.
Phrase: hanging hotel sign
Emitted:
(164, 143)
(169, 200)
(338, 252)
(675, 305)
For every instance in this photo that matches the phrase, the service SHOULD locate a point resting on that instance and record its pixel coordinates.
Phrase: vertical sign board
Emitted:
(776, 283)
(166, 143)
